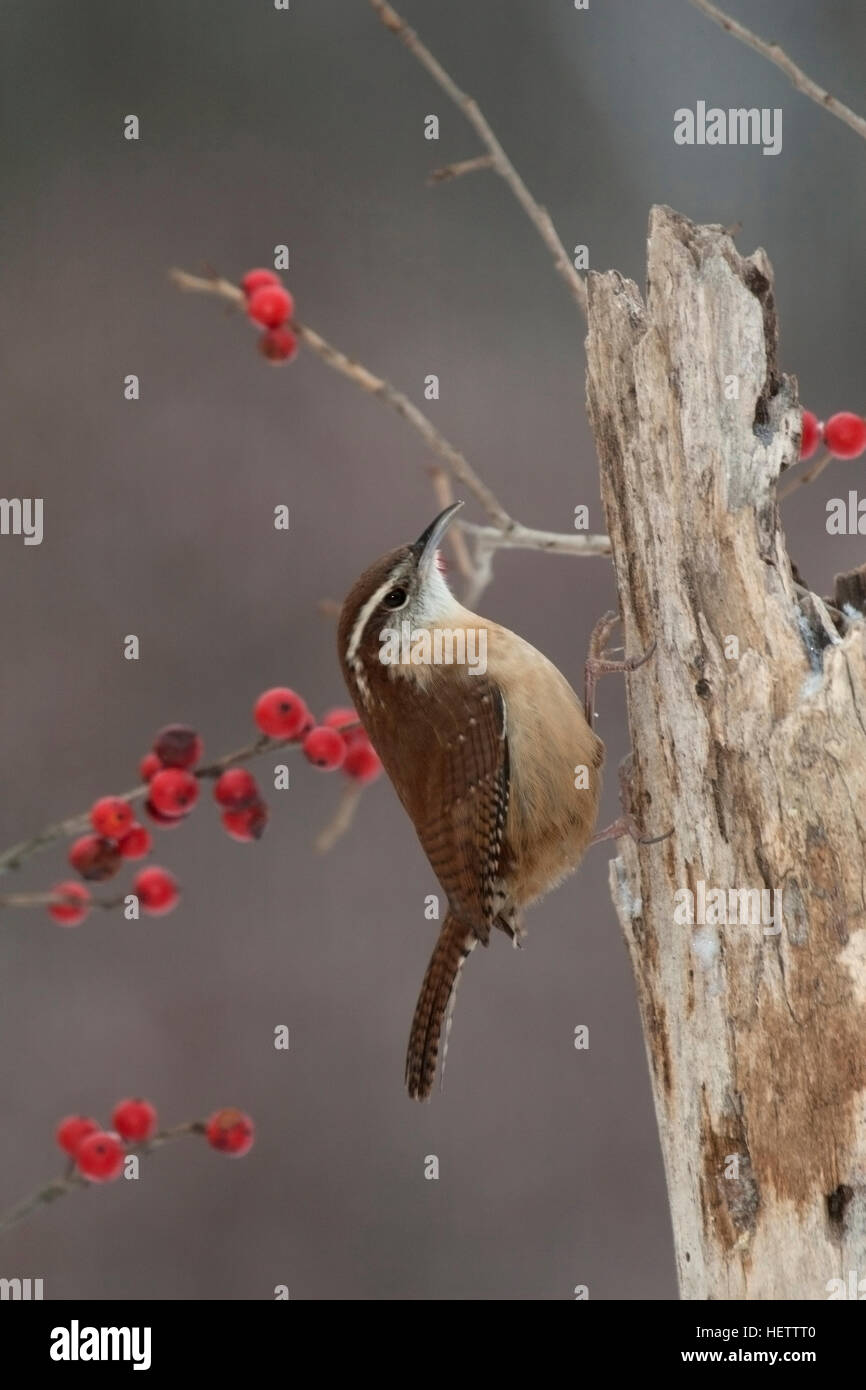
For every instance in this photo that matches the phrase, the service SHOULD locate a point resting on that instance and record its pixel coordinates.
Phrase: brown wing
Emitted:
(460, 802)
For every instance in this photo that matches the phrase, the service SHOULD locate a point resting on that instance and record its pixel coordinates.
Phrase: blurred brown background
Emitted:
(257, 128)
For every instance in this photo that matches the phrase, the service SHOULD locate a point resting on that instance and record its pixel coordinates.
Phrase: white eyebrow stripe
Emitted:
(364, 617)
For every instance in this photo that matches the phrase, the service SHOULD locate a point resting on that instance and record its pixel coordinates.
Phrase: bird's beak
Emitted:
(427, 543)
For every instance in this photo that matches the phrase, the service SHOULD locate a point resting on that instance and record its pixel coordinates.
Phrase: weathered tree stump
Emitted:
(748, 731)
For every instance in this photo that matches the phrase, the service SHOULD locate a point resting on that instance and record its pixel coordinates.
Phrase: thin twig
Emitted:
(55, 898)
(488, 540)
(463, 166)
(537, 215)
(73, 1179)
(374, 386)
(342, 819)
(812, 472)
(444, 498)
(482, 574)
(777, 55)
(527, 538)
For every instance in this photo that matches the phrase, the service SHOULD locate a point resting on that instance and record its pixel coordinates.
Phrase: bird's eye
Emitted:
(395, 599)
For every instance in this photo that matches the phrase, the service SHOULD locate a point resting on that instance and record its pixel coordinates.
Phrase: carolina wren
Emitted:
(498, 769)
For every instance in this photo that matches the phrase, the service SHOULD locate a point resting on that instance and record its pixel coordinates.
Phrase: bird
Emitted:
(488, 749)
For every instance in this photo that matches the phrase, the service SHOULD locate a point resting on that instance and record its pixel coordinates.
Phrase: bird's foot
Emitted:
(601, 662)
(627, 825)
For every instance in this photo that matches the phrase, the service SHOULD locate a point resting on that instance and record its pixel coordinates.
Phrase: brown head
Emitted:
(404, 585)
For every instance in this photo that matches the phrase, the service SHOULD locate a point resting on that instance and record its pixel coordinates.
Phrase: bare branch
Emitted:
(537, 215)
(463, 166)
(526, 538)
(812, 472)
(53, 898)
(444, 498)
(374, 386)
(776, 55)
(342, 819)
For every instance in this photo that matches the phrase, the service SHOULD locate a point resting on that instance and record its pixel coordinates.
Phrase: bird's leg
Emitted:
(600, 662)
(627, 825)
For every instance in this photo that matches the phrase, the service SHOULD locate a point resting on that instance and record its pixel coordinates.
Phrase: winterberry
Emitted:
(156, 890)
(270, 305)
(231, 1132)
(149, 766)
(94, 857)
(324, 748)
(111, 817)
(135, 1120)
(173, 792)
(308, 725)
(845, 435)
(70, 914)
(70, 1132)
(362, 763)
(100, 1157)
(280, 713)
(254, 279)
(278, 345)
(167, 822)
(339, 719)
(811, 435)
(248, 823)
(136, 843)
(177, 745)
(235, 789)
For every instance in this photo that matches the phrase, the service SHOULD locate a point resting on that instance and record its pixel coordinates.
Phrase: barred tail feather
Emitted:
(433, 1010)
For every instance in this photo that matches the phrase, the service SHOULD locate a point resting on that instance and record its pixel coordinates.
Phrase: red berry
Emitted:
(70, 1132)
(339, 718)
(231, 1132)
(845, 435)
(811, 435)
(177, 745)
(70, 914)
(362, 763)
(280, 713)
(156, 890)
(94, 858)
(167, 822)
(248, 823)
(254, 279)
(235, 789)
(173, 792)
(324, 748)
(135, 1120)
(149, 765)
(136, 843)
(308, 725)
(111, 817)
(270, 305)
(100, 1157)
(278, 345)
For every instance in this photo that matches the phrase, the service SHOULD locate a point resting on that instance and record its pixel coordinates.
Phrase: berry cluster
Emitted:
(282, 715)
(844, 435)
(173, 781)
(98, 1154)
(270, 304)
